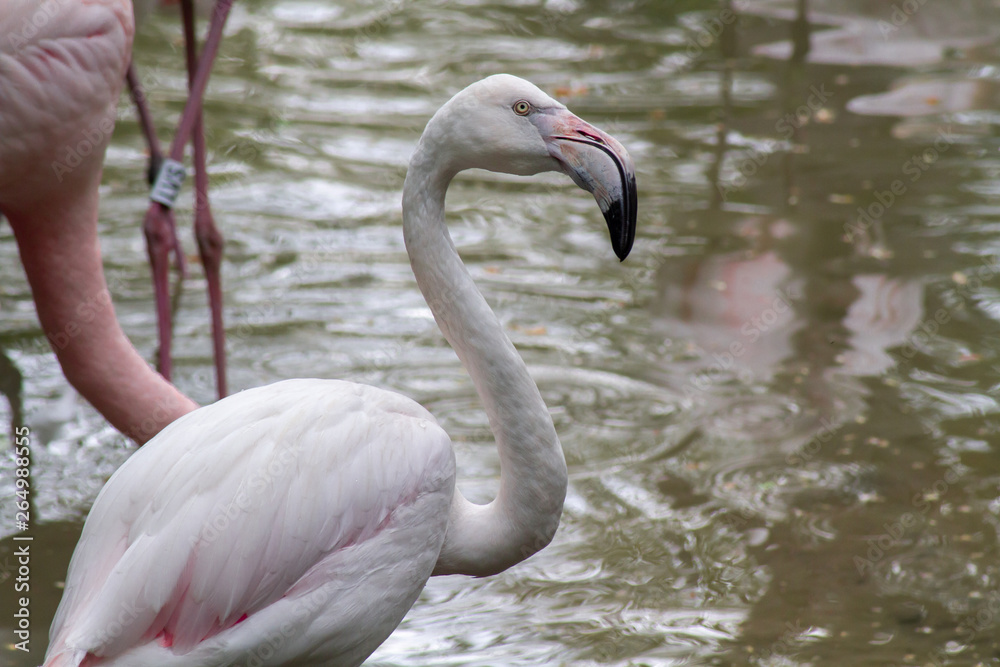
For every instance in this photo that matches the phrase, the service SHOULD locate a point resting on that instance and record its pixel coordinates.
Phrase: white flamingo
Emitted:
(297, 523)
(62, 67)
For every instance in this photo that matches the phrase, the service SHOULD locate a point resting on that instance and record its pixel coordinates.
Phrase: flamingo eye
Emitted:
(521, 108)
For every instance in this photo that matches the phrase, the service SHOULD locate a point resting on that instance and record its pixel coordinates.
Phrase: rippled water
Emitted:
(780, 413)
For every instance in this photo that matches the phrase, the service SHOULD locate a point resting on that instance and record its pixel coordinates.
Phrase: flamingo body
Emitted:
(297, 523)
(323, 511)
(62, 67)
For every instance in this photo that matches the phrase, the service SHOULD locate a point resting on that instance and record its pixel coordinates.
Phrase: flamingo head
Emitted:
(507, 124)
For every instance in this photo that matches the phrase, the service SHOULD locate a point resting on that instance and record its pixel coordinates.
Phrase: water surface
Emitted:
(780, 413)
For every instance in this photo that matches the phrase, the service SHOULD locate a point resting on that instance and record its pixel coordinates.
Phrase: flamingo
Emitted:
(62, 66)
(297, 523)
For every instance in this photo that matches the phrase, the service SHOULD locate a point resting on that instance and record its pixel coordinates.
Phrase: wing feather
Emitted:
(208, 523)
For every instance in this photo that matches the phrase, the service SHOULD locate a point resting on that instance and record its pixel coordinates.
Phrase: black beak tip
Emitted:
(621, 217)
(622, 233)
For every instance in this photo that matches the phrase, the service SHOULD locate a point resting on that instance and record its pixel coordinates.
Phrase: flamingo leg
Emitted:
(157, 210)
(207, 235)
(138, 94)
(160, 230)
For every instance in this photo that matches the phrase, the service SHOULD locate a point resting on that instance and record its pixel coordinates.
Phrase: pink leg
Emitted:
(210, 248)
(156, 210)
(209, 238)
(160, 229)
(145, 122)
(186, 126)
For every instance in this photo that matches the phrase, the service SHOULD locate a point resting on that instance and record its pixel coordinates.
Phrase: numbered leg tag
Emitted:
(168, 183)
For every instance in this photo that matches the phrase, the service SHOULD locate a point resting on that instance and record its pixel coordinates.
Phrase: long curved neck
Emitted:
(62, 259)
(484, 539)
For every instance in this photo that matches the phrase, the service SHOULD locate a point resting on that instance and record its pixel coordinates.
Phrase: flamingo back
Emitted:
(326, 502)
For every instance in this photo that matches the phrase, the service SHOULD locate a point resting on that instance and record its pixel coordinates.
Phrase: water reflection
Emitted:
(736, 309)
(882, 32)
(780, 413)
(881, 318)
(847, 535)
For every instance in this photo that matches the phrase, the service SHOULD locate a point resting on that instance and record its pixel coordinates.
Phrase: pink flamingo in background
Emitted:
(62, 67)
(297, 523)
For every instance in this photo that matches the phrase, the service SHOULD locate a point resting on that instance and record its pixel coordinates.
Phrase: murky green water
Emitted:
(780, 413)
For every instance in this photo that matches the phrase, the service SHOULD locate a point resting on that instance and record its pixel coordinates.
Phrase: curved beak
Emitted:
(598, 164)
